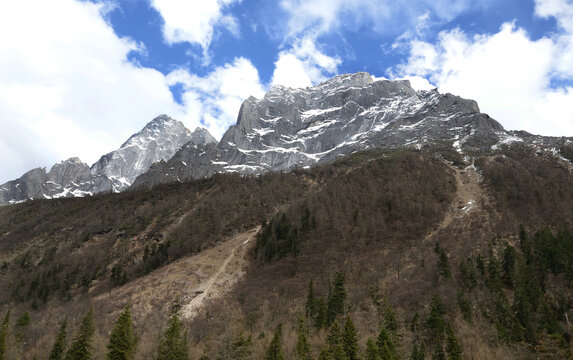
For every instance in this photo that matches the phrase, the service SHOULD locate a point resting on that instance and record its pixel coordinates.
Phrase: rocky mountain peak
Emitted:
(157, 141)
(201, 136)
(291, 127)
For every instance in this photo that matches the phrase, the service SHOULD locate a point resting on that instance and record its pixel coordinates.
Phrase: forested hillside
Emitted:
(384, 254)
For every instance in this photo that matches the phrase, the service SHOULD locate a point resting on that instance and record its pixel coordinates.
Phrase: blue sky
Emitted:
(77, 78)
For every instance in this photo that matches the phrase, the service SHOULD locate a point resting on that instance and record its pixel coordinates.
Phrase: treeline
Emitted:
(122, 344)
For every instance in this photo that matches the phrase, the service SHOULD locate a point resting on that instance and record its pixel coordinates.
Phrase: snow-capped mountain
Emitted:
(159, 140)
(304, 127)
(287, 128)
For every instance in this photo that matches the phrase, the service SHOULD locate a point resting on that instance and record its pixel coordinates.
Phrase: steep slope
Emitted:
(159, 140)
(402, 226)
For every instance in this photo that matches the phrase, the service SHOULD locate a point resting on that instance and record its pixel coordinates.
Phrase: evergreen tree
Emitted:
(80, 346)
(385, 345)
(173, 343)
(238, 349)
(302, 344)
(350, 340)
(524, 244)
(122, 339)
(453, 347)
(336, 298)
(320, 318)
(390, 319)
(465, 306)
(436, 323)
(23, 320)
(438, 353)
(444, 265)
(334, 342)
(4, 334)
(59, 347)
(275, 350)
(418, 352)
(310, 305)
(372, 350)
(324, 354)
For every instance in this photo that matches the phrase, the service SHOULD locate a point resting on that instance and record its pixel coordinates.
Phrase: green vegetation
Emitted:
(80, 347)
(173, 344)
(122, 340)
(275, 350)
(59, 347)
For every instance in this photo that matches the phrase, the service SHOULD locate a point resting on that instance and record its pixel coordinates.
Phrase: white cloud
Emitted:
(379, 16)
(508, 73)
(418, 82)
(303, 65)
(67, 89)
(195, 21)
(216, 98)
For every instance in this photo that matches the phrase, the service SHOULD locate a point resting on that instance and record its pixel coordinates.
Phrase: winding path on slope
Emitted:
(468, 195)
(193, 280)
(227, 273)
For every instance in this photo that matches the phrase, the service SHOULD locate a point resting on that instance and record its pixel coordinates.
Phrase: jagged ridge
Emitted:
(159, 140)
(303, 127)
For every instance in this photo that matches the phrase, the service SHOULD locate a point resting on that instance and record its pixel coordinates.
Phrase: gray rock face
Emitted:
(287, 128)
(352, 112)
(66, 178)
(159, 140)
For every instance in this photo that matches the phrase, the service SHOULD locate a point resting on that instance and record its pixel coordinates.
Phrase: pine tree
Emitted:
(372, 350)
(436, 323)
(444, 265)
(59, 347)
(385, 345)
(275, 350)
(310, 306)
(80, 346)
(122, 339)
(336, 298)
(302, 344)
(439, 353)
(320, 318)
(21, 324)
(350, 340)
(453, 347)
(4, 334)
(324, 354)
(418, 352)
(238, 349)
(390, 319)
(334, 342)
(173, 343)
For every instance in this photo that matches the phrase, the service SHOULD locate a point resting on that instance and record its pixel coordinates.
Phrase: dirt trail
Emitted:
(227, 274)
(193, 280)
(468, 195)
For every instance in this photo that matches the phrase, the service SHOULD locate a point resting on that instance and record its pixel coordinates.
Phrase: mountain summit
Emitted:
(285, 129)
(159, 140)
(290, 128)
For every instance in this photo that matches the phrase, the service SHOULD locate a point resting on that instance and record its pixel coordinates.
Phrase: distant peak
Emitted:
(160, 121)
(202, 136)
(356, 79)
(72, 160)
